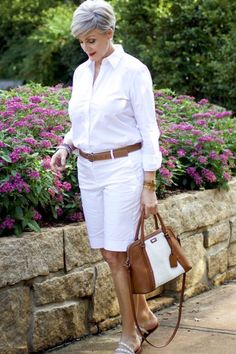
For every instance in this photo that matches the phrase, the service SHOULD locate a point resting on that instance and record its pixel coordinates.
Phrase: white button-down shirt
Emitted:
(116, 110)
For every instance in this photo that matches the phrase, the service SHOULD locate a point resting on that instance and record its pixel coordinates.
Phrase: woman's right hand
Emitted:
(58, 160)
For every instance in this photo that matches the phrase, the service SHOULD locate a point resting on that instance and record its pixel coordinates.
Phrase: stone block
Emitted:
(195, 290)
(33, 254)
(231, 273)
(196, 253)
(17, 350)
(216, 234)
(233, 229)
(219, 279)
(77, 247)
(159, 303)
(217, 263)
(109, 323)
(54, 325)
(190, 211)
(105, 303)
(15, 313)
(67, 287)
(232, 254)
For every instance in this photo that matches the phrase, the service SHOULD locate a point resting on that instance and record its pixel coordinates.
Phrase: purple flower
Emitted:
(46, 163)
(8, 223)
(59, 211)
(172, 140)
(206, 138)
(11, 130)
(77, 216)
(35, 99)
(46, 144)
(58, 128)
(203, 101)
(181, 152)
(164, 151)
(14, 156)
(208, 175)
(197, 179)
(30, 141)
(47, 135)
(202, 159)
(170, 164)
(2, 144)
(191, 171)
(66, 186)
(165, 173)
(213, 155)
(201, 122)
(159, 94)
(33, 174)
(37, 216)
(227, 176)
(158, 111)
(221, 115)
(6, 187)
(181, 126)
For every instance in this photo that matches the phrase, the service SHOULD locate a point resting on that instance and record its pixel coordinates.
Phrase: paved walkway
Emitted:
(208, 326)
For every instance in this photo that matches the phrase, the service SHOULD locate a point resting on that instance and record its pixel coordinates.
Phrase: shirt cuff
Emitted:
(152, 162)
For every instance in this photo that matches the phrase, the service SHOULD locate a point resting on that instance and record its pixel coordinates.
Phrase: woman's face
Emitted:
(97, 45)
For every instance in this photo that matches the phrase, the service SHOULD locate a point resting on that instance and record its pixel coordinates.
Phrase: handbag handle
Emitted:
(157, 217)
(140, 222)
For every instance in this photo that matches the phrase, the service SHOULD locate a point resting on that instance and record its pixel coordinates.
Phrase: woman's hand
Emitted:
(148, 202)
(58, 161)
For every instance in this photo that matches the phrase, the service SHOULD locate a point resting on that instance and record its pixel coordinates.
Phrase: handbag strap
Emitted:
(179, 313)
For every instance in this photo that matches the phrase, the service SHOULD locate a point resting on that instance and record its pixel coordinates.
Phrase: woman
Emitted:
(115, 133)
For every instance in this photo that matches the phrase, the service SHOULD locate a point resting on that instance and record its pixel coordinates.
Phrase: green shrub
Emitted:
(197, 142)
(33, 121)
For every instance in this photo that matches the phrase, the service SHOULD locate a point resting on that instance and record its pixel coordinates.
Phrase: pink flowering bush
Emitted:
(33, 122)
(197, 142)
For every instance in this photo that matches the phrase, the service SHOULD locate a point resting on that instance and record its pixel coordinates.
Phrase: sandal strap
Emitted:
(143, 330)
(127, 349)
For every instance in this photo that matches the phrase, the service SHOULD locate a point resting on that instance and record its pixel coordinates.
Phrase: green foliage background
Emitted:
(189, 45)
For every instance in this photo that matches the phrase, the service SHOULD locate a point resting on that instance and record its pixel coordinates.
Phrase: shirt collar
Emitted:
(114, 58)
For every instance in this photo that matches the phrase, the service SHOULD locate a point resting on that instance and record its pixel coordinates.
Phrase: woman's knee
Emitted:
(113, 258)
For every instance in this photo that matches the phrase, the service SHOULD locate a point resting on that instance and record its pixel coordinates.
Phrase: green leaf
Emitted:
(6, 158)
(19, 213)
(34, 225)
(18, 229)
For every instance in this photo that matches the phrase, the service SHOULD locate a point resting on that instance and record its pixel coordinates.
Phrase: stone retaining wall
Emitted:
(54, 289)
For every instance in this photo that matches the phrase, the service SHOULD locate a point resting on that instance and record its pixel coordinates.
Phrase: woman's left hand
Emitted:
(148, 202)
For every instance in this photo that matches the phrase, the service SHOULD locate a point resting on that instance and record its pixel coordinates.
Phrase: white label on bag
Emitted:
(158, 251)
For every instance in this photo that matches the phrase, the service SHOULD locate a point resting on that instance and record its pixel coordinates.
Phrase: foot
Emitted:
(124, 348)
(148, 322)
(148, 326)
(131, 344)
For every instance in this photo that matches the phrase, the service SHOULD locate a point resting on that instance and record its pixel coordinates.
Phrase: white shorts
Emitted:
(111, 193)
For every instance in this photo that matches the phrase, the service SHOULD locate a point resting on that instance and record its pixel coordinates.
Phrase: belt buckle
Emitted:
(90, 156)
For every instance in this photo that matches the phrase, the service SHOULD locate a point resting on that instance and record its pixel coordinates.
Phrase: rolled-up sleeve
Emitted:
(142, 99)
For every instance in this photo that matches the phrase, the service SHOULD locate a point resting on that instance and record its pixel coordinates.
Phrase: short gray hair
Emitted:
(91, 15)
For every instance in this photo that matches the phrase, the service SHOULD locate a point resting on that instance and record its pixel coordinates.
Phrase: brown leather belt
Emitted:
(111, 154)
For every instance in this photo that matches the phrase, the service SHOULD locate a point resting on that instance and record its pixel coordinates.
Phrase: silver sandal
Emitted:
(124, 348)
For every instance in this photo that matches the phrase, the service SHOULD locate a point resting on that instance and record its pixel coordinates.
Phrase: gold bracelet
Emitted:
(150, 185)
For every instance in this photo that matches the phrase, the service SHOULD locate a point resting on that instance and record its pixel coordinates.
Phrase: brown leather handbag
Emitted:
(154, 260)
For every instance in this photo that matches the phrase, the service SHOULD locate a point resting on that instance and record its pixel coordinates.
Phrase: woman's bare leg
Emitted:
(116, 261)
